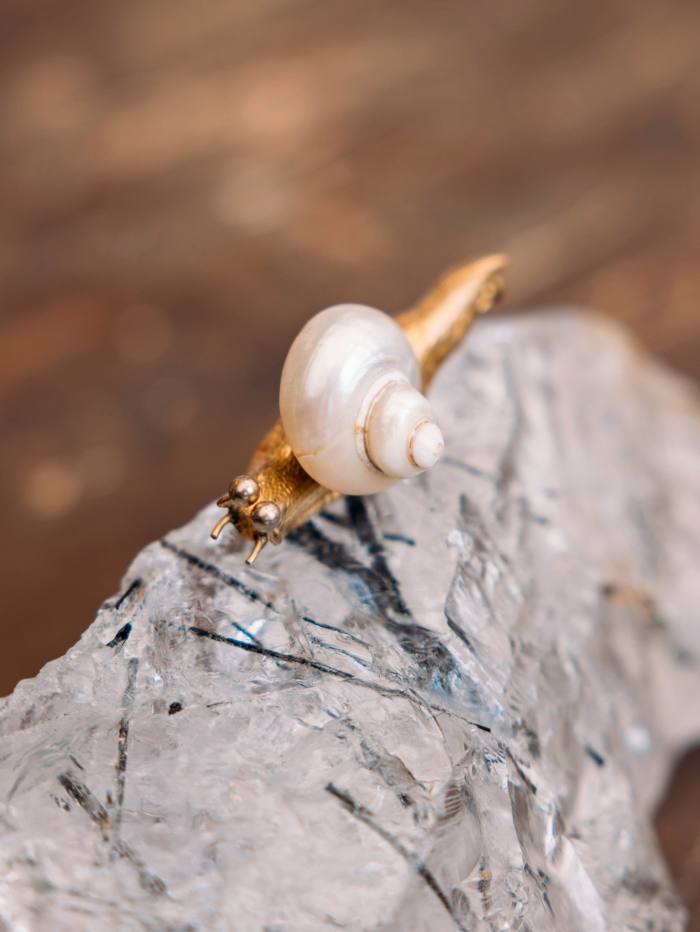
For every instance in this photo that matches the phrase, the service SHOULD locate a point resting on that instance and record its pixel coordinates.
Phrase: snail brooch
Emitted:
(353, 416)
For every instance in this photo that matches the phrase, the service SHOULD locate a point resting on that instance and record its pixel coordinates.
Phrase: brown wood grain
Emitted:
(183, 184)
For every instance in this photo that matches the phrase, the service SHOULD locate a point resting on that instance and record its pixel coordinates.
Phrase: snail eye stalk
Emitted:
(220, 525)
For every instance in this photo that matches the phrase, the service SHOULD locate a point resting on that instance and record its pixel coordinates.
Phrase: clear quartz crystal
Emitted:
(451, 706)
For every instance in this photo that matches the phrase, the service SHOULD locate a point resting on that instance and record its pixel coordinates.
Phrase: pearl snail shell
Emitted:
(350, 405)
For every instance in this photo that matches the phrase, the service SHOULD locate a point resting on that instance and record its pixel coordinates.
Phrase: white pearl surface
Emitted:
(426, 444)
(350, 405)
(392, 426)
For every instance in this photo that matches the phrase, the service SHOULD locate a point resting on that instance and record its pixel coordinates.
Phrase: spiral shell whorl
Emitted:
(400, 437)
(350, 405)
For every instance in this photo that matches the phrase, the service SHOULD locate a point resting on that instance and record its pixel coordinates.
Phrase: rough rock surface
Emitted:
(452, 706)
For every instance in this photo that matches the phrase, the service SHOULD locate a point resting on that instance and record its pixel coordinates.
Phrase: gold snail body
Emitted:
(353, 416)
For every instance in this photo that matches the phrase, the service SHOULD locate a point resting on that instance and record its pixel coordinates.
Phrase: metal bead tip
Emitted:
(244, 490)
(266, 517)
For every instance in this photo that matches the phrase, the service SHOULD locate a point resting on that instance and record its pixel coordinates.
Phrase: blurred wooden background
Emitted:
(183, 184)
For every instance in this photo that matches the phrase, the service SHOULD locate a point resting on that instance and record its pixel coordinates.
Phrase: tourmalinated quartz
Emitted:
(451, 706)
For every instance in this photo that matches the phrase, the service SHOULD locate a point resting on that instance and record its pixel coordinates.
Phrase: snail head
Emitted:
(260, 520)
